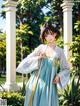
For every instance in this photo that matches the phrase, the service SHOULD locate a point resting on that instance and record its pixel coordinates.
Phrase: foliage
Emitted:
(30, 12)
(60, 42)
(77, 27)
(13, 98)
(75, 47)
(2, 51)
(76, 12)
(71, 95)
(56, 11)
(57, 14)
(22, 38)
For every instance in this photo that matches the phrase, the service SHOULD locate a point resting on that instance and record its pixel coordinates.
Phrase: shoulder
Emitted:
(59, 51)
(41, 46)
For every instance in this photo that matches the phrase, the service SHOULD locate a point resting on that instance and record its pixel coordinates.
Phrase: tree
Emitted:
(22, 37)
(76, 17)
(2, 52)
(71, 95)
(31, 13)
(57, 13)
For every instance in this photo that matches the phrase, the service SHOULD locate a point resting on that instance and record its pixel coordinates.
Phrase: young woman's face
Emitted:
(50, 38)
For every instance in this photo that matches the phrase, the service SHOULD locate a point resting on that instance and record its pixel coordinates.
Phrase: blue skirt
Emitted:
(40, 91)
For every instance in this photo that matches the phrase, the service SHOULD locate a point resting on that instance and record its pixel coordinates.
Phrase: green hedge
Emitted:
(70, 96)
(13, 98)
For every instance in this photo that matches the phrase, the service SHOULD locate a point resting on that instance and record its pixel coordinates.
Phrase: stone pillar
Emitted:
(10, 8)
(67, 25)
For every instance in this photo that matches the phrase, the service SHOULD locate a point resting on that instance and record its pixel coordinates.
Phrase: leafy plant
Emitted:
(71, 95)
(2, 52)
(13, 98)
(60, 42)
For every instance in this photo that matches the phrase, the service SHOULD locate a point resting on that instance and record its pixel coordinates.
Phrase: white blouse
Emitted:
(31, 63)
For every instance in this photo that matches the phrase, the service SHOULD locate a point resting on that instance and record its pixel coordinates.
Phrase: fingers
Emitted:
(42, 55)
(56, 80)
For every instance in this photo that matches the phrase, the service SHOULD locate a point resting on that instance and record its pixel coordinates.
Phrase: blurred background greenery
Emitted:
(30, 15)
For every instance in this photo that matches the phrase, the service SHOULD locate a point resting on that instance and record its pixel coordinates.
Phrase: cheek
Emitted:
(50, 37)
(47, 38)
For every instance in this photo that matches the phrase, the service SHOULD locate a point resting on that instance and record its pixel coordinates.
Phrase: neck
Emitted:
(52, 44)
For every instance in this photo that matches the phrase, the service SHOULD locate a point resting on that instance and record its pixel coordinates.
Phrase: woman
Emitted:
(43, 64)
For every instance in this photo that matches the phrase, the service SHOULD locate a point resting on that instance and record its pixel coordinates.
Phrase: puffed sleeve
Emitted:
(30, 63)
(64, 73)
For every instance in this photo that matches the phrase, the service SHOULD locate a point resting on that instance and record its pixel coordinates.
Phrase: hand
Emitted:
(42, 55)
(56, 80)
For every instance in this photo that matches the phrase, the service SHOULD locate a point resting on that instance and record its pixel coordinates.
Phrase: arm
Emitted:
(64, 73)
(62, 77)
(30, 63)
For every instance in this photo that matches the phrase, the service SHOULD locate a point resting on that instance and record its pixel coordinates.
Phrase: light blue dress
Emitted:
(40, 91)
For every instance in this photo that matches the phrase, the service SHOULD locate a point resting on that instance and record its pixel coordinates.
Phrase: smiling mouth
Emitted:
(50, 40)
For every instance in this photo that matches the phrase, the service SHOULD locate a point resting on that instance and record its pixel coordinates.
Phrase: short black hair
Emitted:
(48, 28)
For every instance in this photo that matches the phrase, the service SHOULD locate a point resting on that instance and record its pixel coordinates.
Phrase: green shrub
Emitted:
(60, 42)
(75, 47)
(71, 95)
(13, 98)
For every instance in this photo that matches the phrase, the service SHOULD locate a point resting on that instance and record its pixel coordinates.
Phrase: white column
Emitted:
(67, 26)
(10, 9)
